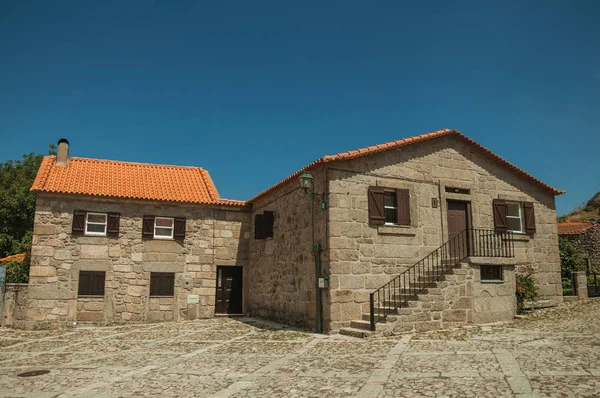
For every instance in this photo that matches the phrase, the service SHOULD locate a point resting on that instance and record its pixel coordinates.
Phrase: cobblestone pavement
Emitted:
(551, 353)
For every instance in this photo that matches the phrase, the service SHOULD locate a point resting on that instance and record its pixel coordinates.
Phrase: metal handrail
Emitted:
(416, 278)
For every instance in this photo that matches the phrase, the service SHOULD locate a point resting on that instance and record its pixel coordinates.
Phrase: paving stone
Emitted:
(548, 353)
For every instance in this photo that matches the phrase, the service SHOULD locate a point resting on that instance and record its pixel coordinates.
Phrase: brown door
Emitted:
(229, 290)
(458, 221)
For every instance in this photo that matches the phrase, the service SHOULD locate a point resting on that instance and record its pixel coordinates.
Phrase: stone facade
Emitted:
(13, 297)
(281, 272)
(214, 236)
(364, 257)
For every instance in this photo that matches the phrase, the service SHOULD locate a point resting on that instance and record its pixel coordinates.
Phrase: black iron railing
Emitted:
(414, 280)
(593, 284)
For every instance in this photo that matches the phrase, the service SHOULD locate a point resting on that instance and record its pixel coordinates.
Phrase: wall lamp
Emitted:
(307, 183)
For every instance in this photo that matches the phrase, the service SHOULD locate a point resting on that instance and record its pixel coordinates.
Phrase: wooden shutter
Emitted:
(259, 229)
(148, 227)
(78, 222)
(112, 227)
(499, 209)
(376, 209)
(162, 284)
(91, 283)
(268, 221)
(403, 199)
(179, 231)
(529, 218)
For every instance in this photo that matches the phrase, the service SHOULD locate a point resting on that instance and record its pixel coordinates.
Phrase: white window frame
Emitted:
(520, 218)
(390, 207)
(172, 228)
(105, 223)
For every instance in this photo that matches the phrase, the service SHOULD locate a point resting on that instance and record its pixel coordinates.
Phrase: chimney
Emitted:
(62, 157)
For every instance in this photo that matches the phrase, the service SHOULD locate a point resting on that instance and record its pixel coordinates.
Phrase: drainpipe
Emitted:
(317, 253)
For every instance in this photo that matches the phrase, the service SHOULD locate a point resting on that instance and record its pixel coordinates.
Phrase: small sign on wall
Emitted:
(2, 274)
(193, 299)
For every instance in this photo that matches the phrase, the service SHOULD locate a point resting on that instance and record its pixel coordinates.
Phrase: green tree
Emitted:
(17, 202)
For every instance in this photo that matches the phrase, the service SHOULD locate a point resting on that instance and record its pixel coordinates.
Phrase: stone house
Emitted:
(585, 236)
(421, 233)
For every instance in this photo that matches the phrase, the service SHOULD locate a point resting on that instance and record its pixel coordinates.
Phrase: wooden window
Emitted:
(91, 283)
(263, 225)
(162, 284)
(491, 273)
(389, 206)
(163, 227)
(95, 223)
(516, 217)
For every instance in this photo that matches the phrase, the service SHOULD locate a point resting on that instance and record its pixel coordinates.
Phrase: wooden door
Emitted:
(459, 219)
(229, 290)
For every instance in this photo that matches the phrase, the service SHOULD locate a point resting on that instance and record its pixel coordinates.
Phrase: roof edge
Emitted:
(349, 155)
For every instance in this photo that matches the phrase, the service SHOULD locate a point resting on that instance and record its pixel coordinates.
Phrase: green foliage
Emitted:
(570, 259)
(526, 291)
(17, 203)
(17, 272)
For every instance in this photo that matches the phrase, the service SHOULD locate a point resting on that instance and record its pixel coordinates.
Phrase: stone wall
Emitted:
(214, 236)
(281, 272)
(364, 257)
(13, 297)
(494, 301)
(588, 245)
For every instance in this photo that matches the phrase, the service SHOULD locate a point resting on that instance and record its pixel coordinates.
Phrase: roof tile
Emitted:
(129, 180)
(576, 227)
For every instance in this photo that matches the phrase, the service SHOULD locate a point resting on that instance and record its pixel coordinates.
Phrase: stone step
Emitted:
(360, 333)
(391, 317)
(364, 325)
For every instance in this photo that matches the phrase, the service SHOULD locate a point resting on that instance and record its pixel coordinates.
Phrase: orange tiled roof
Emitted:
(405, 142)
(15, 257)
(576, 227)
(129, 180)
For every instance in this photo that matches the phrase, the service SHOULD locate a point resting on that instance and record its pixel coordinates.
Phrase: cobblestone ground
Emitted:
(551, 353)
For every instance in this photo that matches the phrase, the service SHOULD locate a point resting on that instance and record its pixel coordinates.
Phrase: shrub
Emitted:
(526, 291)
(17, 271)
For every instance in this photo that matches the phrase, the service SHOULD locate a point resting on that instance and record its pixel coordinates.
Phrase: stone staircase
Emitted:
(435, 293)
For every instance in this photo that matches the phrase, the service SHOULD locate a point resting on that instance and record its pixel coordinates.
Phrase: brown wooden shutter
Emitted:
(268, 221)
(112, 227)
(91, 283)
(162, 284)
(259, 230)
(499, 209)
(148, 227)
(376, 209)
(529, 218)
(78, 222)
(403, 199)
(179, 231)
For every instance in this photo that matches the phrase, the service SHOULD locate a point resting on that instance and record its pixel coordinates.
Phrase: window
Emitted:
(91, 283)
(491, 272)
(390, 206)
(514, 221)
(516, 217)
(169, 228)
(163, 227)
(162, 284)
(95, 224)
(263, 225)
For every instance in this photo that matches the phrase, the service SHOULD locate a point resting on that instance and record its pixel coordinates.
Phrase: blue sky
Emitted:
(252, 91)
